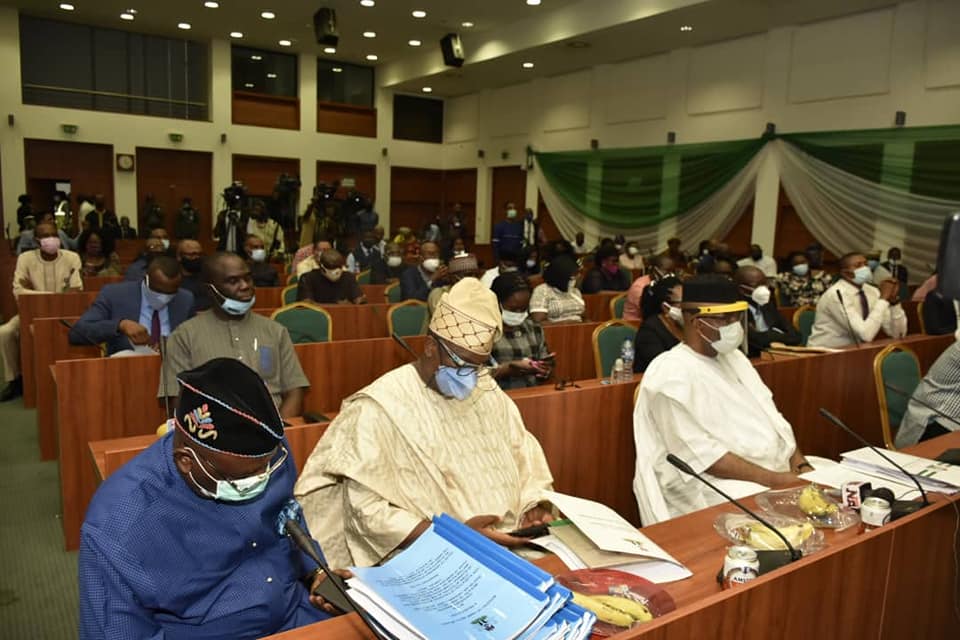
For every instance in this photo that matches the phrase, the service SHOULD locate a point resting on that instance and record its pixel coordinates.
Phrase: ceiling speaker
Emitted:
(452, 48)
(325, 26)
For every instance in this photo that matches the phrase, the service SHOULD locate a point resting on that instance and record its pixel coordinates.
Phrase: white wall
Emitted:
(849, 73)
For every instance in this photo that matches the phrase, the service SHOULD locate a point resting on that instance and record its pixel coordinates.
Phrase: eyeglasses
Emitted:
(266, 472)
(464, 368)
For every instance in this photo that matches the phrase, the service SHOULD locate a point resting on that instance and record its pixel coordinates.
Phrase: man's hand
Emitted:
(26, 284)
(485, 524)
(440, 274)
(136, 332)
(318, 601)
(524, 366)
(889, 290)
(785, 479)
(535, 517)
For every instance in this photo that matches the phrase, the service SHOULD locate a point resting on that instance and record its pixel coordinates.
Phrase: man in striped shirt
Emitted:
(940, 390)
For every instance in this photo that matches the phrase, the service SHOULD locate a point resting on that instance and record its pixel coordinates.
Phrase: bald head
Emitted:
(749, 276)
(332, 259)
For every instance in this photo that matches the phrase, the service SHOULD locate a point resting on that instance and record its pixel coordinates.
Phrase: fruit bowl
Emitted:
(810, 503)
(620, 600)
(739, 528)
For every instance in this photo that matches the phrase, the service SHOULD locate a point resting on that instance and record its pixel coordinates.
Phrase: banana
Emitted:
(813, 503)
(757, 536)
(604, 612)
(635, 609)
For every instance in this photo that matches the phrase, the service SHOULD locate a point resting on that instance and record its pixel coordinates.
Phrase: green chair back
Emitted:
(393, 293)
(616, 306)
(289, 294)
(305, 322)
(899, 368)
(293, 278)
(363, 277)
(408, 318)
(805, 324)
(607, 341)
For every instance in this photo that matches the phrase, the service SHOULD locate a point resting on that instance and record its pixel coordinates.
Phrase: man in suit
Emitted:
(128, 314)
(765, 325)
(416, 282)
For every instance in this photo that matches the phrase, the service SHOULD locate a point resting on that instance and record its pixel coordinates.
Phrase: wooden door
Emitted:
(460, 187)
(509, 185)
(364, 177)
(791, 234)
(87, 167)
(739, 237)
(416, 197)
(259, 173)
(547, 225)
(171, 176)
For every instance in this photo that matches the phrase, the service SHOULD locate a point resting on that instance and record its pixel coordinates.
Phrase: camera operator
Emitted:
(231, 227)
(265, 228)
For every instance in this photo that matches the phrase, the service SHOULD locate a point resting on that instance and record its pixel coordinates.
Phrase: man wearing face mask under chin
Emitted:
(704, 402)
(230, 329)
(187, 540)
(765, 325)
(435, 436)
(853, 310)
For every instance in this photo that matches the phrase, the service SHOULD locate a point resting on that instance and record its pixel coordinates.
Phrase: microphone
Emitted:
(162, 349)
(403, 343)
(769, 560)
(305, 544)
(922, 403)
(898, 508)
(75, 329)
(856, 338)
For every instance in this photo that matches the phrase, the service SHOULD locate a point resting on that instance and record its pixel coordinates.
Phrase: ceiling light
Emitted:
(533, 3)
(466, 25)
(428, 89)
(284, 43)
(337, 70)
(369, 34)
(183, 25)
(66, 6)
(271, 75)
(256, 57)
(210, 4)
(367, 3)
(127, 16)
(419, 13)
(236, 34)
(414, 43)
(372, 57)
(268, 15)
(528, 65)
(686, 27)
(329, 50)
(249, 85)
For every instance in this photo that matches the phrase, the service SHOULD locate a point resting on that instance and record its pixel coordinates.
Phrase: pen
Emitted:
(255, 343)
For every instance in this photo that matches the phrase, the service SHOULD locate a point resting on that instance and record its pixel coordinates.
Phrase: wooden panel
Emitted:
(547, 225)
(261, 110)
(128, 250)
(598, 306)
(95, 283)
(365, 176)
(509, 185)
(739, 238)
(259, 173)
(172, 175)
(415, 197)
(460, 187)
(8, 264)
(346, 119)
(791, 234)
(87, 167)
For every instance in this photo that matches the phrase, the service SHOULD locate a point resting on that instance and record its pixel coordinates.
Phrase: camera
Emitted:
(323, 192)
(287, 184)
(234, 195)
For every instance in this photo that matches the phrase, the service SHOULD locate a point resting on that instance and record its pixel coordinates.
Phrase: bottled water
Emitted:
(616, 374)
(626, 355)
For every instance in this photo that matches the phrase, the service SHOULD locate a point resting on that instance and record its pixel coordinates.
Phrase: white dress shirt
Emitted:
(766, 264)
(837, 322)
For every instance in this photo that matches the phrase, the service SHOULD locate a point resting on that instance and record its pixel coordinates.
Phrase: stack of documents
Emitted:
(940, 477)
(453, 582)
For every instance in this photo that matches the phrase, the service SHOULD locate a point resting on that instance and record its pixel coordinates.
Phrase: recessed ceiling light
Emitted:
(686, 27)
(268, 15)
(271, 75)
(369, 34)
(367, 3)
(284, 43)
(183, 25)
(528, 65)
(414, 43)
(210, 4)
(329, 50)
(466, 25)
(533, 3)
(236, 34)
(372, 57)
(256, 57)
(66, 6)
(419, 13)
(249, 85)
(126, 16)
(428, 89)
(337, 70)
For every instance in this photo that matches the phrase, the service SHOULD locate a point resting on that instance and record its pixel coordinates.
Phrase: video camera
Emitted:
(234, 195)
(323, 192)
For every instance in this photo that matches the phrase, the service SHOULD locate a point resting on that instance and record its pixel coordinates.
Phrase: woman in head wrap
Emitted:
(558, 299)
(662, 328)
(522, 354)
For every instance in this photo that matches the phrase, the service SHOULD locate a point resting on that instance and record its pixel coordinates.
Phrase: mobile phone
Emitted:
(531, 532)
(331, 594)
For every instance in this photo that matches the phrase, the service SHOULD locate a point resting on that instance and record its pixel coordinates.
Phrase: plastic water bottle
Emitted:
(616, 374)
(626, 355)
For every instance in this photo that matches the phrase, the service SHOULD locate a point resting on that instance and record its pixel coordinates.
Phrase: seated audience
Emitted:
(407, 239)
(530, 264)
(632, 303)
(939, 314)
(460, 267)
(801, 286)
(185, 540)
(661, 266)
(131, 314)
(48, 269)
(630, 259)
(266, 228)
(391, 267)
(893, 267)
(433, 436)
(126, 231)
(416, 282)
(97, 255)
(331, 283)
(663, 330)
(232, 330)
(558, 299)
(853, 311)
(138, 268)
(765, 325)
(190, 256)
(940, 390)
(675, 253)
(508, 262)
(579, 246)
(723, 266)
(766, 264)
(704, 402)
(102, 220)
(28, 242)
(312, 260)
(606, 274)
(521, 354)
(160, 233)
(264, 275)
(366, 257)
(556, 248)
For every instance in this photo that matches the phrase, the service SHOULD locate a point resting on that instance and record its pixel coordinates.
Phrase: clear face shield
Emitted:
(723, 326)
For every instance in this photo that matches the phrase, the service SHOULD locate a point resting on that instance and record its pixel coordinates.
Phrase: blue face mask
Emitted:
(235, 307)
(873, 264)
(862, 275)
(239, 490)
(155, 299)
(453, 385)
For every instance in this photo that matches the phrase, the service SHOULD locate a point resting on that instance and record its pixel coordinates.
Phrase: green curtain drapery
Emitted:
(625, 188)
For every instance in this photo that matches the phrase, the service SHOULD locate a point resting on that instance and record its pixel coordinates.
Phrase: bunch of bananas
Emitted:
(615, 610)
(757, 536)
(813, 503)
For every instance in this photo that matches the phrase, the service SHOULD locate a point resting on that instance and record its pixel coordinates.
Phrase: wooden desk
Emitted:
(95, 283)
(893, 583)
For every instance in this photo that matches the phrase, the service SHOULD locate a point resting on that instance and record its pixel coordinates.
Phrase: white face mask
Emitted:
(431, 264)
(633, 251)
(165, 243)
(513, 318)
(801, 269)
(531, 264)
(332, 274)
(675, 314)
(862, 275)
(511, 213)
(258, 255)
(761, 295)
(394, 261)
(731, 337)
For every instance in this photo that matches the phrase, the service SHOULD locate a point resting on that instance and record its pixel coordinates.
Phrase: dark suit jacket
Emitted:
(779, 330)
(121, 301)
(652, 339)
(939, 316)
(412, 285)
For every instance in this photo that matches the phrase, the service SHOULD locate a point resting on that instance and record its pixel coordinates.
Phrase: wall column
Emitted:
(766, 200)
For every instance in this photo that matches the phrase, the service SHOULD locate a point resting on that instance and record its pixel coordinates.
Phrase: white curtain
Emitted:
(847, 213)
(712, 218)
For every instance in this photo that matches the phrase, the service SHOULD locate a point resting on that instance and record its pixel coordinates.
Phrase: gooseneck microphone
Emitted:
(846, 315)
(898, 508)
(769, 560)
(922, 403)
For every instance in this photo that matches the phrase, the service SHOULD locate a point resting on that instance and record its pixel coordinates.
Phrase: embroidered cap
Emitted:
(225, 406)
(468, 316)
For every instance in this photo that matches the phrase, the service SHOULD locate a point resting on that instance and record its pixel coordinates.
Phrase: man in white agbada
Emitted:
(705, 403)
(435, 436)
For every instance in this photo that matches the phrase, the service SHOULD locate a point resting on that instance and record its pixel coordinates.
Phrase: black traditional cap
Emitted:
(711, 294)
(225, 406)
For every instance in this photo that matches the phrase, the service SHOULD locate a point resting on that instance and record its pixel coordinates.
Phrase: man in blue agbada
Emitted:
(187, 539)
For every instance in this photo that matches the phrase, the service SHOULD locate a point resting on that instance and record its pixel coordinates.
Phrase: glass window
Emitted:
(267, 72)
(344, 83)
(82, 67)
(419, 119)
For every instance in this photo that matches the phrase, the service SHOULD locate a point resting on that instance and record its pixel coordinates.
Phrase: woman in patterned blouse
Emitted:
(799, 287)
(522, 354)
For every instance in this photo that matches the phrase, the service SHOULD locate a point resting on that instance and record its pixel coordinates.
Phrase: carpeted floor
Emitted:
(38, 579)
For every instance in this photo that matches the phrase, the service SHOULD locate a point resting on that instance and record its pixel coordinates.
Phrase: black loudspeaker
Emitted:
(452, 48)
(671, 137)
(325, 26)
(948, 259)
(594, 144)
(900, 118)
(771, 129)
